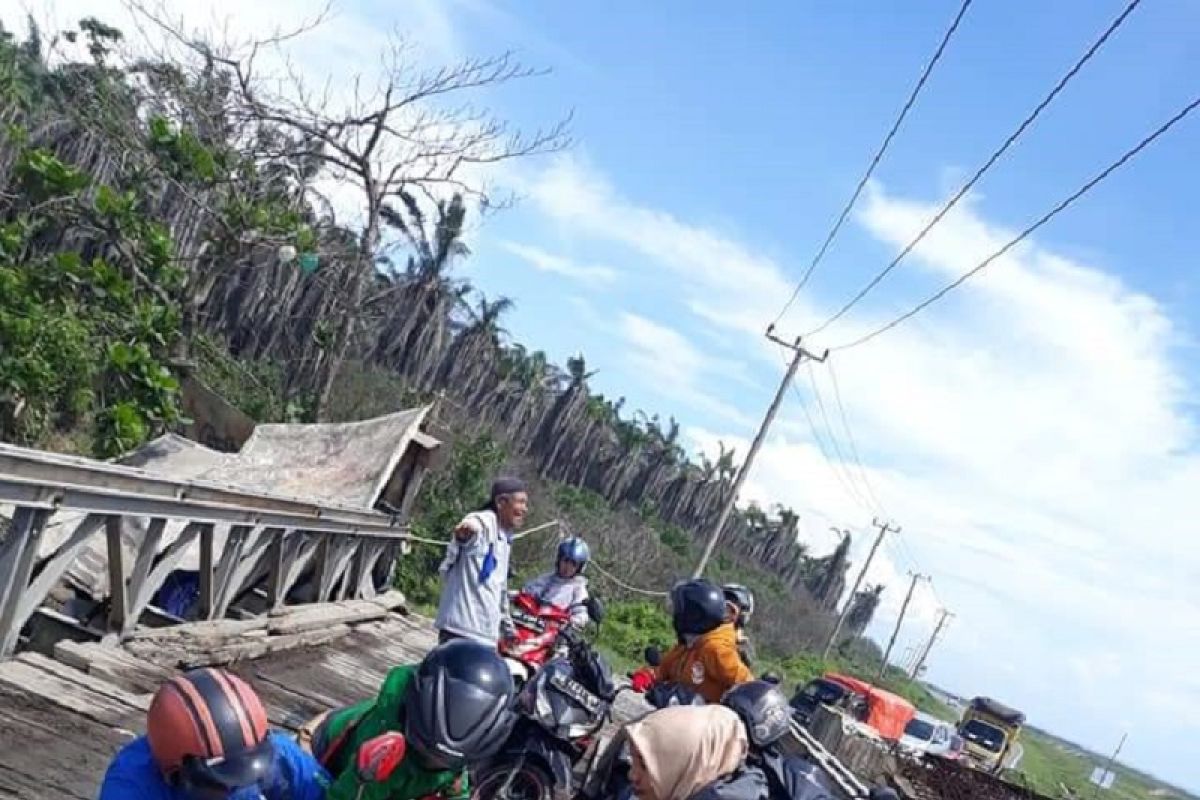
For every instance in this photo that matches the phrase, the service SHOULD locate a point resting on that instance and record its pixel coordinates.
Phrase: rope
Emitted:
(626, 586)
(437, 543)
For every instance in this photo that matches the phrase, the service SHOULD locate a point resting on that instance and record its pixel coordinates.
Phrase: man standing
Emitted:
(474, 601)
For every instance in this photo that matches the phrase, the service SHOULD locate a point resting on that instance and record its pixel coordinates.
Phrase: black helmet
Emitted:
(741, 597)
(697, 607)
(459, 703)
(763, 708)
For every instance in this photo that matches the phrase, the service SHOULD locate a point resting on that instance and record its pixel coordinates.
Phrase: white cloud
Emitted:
(1030, 434)
(721, 279)
(665, 359)
(543, 261)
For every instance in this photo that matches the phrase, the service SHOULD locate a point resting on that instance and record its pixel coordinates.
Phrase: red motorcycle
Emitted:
(537, 626)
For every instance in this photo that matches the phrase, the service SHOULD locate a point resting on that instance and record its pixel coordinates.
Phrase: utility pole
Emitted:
(799, 354)
(1111, 760)
(916, 576)
(946, 615)
(884, 528)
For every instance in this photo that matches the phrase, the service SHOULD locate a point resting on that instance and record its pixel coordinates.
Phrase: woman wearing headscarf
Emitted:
(692, 753)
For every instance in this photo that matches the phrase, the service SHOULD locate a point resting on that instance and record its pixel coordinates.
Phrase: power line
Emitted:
(1049, 215)
(849, 488)
(987, 165)
(837, 396)
(937, 55)
(842, 460)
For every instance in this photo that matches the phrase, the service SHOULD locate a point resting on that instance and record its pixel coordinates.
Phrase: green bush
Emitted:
(630, 626)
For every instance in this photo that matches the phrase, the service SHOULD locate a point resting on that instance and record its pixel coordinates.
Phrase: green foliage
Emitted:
(460, 487)
(84, 332)
(630, 626)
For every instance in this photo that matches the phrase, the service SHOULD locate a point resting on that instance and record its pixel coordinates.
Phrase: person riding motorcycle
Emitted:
(706, 658)
(207, 739)
(740, 603)
(767, 716)
(692, 753)
(456, 704)
(565, 586)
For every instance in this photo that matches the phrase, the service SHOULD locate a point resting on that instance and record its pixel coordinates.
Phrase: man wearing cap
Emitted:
(474, 601)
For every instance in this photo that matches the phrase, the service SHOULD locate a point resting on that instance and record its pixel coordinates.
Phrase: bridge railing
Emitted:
(245, 540)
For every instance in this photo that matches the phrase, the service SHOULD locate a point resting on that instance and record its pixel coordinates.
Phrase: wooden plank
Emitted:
(200, 631)
(84, 680)
(46, 752)
(80, 700)
(344, 613)
(261, 647)
(113, 664)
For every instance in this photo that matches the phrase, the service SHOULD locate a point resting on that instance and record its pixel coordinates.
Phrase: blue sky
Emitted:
(1034, 434)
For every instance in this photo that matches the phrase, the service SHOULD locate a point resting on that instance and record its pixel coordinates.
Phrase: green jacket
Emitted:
(385, 713)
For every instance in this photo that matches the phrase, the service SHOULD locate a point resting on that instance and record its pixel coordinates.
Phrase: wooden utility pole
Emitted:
(799, 354)
(884, 528)
(946, 615)
(916, 576)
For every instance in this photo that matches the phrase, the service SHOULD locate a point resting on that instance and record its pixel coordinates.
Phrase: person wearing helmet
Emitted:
(767, 716)
(207, 739)
(740, 604)
(474, 599)
(706, 658)
(456, 704)
(565, 586)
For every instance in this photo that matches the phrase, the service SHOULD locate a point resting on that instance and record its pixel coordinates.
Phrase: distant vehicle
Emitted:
(879, 709)
(990, 729)
(818, 691)
(927, 735)
(955, 751)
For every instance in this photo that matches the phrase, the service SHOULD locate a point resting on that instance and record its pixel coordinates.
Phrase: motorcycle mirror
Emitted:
(595, 609)
(652, 655)
(379, 757)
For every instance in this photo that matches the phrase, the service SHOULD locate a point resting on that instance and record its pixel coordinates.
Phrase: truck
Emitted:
(990, 730)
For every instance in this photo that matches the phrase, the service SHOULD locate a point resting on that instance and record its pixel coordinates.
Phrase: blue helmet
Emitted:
(575, 550)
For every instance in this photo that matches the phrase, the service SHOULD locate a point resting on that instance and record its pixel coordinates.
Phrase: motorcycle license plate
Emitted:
(574, 690)
(529, 621)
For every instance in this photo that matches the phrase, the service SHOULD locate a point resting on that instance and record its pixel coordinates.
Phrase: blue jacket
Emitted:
(133, 775)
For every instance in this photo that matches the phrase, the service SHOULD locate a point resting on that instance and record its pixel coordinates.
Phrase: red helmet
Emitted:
(208, 732)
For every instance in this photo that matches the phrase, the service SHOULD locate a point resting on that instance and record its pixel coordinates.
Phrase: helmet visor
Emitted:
(238, 776)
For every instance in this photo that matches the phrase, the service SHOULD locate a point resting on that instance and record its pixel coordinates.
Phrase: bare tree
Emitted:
(414, 133)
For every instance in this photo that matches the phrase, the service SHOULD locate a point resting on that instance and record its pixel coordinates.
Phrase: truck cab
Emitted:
(990, 730)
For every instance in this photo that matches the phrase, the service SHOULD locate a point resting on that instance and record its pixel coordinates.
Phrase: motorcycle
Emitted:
(536, 629)
(607, 775)
(561, 709)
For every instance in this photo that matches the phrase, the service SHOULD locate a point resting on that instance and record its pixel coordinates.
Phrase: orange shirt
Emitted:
(709, 666)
